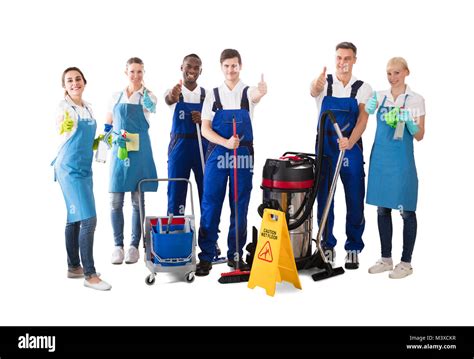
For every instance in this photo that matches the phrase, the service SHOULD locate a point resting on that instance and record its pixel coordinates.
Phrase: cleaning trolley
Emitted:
(169, 241)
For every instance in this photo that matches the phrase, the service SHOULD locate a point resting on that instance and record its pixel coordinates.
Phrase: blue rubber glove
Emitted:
(148, 102)
(371, 104)
(107, 127)
(412, 127)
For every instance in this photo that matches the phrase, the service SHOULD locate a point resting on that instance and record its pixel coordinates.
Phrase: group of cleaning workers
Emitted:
(207, 127)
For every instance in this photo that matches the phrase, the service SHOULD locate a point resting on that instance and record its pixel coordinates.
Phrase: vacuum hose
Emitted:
(319, 165)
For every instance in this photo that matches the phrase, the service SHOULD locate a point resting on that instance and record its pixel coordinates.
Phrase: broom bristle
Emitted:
(236, 276)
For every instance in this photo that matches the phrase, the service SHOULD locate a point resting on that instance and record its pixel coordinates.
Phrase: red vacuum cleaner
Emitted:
(290, 184)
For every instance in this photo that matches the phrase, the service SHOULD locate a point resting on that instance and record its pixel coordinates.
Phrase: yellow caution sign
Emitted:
(273, 261)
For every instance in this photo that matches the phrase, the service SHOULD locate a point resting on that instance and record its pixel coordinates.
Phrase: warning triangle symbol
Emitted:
(266, 253)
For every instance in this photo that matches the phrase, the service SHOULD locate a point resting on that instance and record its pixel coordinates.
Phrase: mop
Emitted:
(237, 275)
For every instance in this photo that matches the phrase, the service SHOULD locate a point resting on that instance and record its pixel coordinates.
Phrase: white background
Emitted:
(288, 41)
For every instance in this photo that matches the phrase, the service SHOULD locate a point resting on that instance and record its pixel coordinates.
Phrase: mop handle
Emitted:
(236, 199)
(201, 152)
(170, 220)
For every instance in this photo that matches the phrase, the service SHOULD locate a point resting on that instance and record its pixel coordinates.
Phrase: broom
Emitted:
(236, 276)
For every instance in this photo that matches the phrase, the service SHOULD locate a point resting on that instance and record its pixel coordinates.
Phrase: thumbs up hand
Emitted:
(262, 87)
(318, 83)
(67, 124)
(371, 104)
(176, 91)
(259, 91)
(321, 81)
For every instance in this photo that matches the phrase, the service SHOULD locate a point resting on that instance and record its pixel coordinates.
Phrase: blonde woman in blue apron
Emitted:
(73, 171)
(132, 158)
(393, 182)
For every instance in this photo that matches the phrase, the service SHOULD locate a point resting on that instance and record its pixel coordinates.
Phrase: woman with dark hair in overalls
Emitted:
(132, 157)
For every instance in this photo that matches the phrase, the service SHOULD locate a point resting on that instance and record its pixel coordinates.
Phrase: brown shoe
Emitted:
(75, 273)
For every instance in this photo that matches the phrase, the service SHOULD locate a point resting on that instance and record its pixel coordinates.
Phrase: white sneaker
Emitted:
(382, 265)
(102, 285)
(401, 270)
(132, 255)
(117, 255)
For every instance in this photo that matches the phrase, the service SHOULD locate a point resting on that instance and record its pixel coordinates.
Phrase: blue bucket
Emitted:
(175, 244)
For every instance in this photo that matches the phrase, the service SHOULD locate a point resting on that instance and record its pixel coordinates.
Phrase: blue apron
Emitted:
(393, 182)
(346, 111)
(125, 175)
(73, 171)
(184, 154)
(219, 168)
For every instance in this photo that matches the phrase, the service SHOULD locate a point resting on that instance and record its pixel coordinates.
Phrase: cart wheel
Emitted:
(189, 277)
(149, 280)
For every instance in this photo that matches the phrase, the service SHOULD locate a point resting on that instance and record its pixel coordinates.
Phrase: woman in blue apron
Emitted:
(73, 171)
(132, 158)
(393, 182)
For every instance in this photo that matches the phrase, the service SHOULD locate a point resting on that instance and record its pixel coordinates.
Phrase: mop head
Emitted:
(236, 276)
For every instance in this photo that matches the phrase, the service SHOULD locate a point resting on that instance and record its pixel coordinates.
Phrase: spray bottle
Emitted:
(122, 152)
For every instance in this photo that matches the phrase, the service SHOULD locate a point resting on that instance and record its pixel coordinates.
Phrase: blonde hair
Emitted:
(398, 61)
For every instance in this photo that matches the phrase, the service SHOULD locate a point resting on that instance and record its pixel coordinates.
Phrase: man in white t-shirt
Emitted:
(228, 107)
(345, 97)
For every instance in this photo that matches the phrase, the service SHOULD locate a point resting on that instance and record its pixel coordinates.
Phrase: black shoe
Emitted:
(203, 268)
(352, 260)
(242, 265)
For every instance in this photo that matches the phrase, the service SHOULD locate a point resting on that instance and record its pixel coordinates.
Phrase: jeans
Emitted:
(80, 239)
(384, 220)
(116, 202)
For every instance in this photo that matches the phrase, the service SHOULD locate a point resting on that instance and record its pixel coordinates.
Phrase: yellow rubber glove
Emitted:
(67, 124)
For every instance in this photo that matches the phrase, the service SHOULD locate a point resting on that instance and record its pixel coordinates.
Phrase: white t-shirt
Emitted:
(415, 102)
(230, 100)
(135, 99)
(189, 96)
(75, 112)
(338, 90)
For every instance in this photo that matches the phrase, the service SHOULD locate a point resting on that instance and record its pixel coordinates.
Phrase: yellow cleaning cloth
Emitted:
(134, 143)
